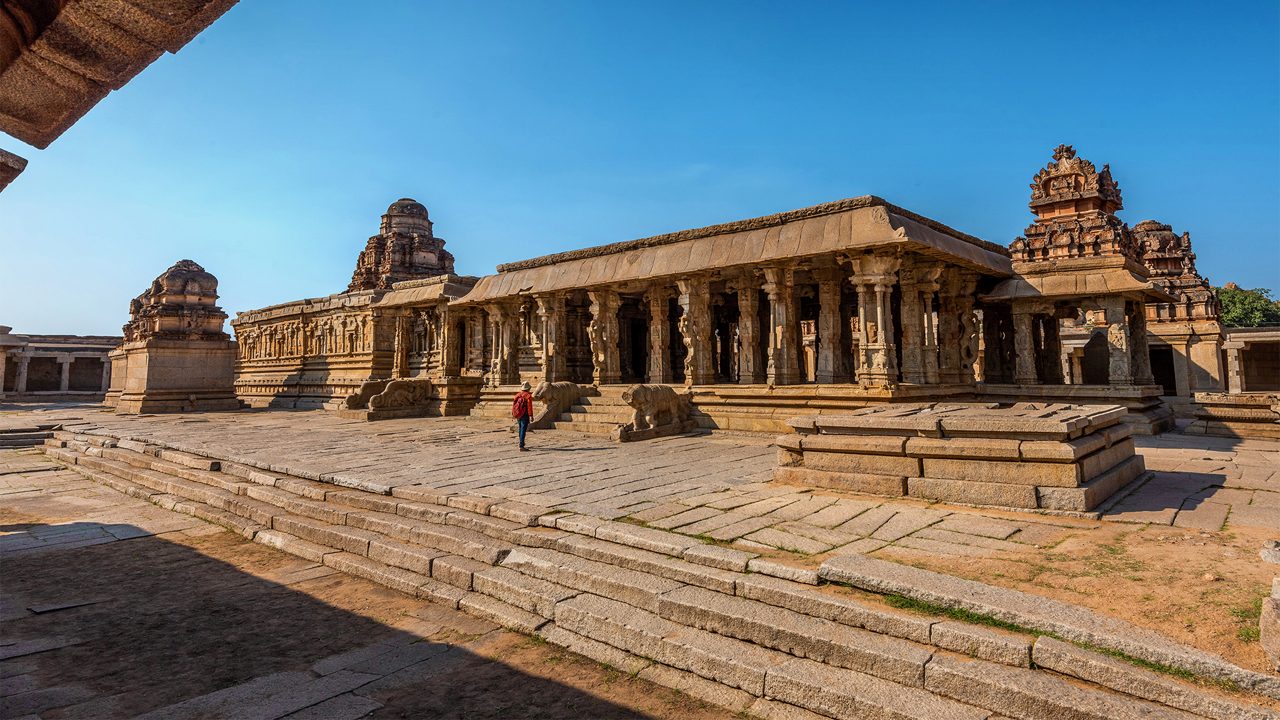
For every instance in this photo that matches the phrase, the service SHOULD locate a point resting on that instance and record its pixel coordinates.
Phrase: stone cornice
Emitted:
(864, 201)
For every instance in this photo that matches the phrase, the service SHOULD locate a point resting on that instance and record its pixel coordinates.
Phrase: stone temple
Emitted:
(833, 307)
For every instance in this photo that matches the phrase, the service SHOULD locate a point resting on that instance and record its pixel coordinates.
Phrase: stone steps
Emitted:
(24, 437)
(666, 606)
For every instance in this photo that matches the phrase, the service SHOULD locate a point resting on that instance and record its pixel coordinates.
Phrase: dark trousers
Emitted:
(524, 427)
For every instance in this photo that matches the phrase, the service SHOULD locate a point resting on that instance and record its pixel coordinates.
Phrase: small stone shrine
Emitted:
(175, 356)
(1051, 456)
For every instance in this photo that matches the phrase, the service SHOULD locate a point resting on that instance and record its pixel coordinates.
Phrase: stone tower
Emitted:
(403, 249)
(175, 356)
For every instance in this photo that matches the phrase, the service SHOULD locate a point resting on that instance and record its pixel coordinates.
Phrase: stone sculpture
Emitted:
(659, 411)
(556, 397)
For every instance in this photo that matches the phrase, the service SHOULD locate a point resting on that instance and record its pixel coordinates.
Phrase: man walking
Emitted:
(522, 411)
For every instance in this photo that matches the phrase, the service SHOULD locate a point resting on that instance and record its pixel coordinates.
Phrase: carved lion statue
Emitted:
(556, 397)
(359, 400)
(656, 406)
(402, 394)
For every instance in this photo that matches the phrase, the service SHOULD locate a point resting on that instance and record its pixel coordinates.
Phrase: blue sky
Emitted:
(267, 148)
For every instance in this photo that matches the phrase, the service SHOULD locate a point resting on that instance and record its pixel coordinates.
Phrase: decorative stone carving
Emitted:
(175, 357)
(874, 277)
(783, 361)
(359, 400)
(1075, 206)
(603, 333)
(404, 249)
(659, 411)
(1171, 265)
(556, 398)
(403, 394)
(695, 330)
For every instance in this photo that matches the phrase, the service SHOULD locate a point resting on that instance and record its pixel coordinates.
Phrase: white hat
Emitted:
(525, 386)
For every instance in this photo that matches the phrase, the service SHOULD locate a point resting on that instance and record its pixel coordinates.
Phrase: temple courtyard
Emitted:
(1177, 554)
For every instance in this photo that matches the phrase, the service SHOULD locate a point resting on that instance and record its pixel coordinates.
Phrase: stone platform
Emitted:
(1237, 415)
(1050, 457)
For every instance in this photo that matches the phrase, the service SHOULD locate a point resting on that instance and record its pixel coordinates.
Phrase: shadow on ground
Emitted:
(120, 629)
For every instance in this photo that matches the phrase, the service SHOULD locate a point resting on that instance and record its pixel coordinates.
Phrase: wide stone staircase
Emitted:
(602, 413)
(495, 403)
(737, 630)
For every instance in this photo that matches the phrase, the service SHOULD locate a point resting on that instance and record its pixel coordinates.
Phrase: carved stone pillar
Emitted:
(400, 349)
(1024, 347)
(20, 380)
(603, 332)
(1141, 353)
(829, 367)
(750, 368)
(659, 336)
(450, 353)
(929, 286)
(784, 365)
(1120, 365)
(695, 328)
(1235, 369)
(912, 333)
(64, 382)
(874, 277)
(957, 327)
(551, 317)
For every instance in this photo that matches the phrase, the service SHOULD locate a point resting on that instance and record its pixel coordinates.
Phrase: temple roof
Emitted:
(850, 225)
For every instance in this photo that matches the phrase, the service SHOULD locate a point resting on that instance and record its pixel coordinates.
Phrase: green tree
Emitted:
(1247, 308)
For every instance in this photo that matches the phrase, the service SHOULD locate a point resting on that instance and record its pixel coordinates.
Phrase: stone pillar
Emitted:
(784, 365)
(1024, 347)
(1235, 369)
(106, 374)
(64, 383)
(927, 284)
(400, 349)
(874, 277)
(551, 317)
(750, 369)
(1120, 366)
(4, 359)
(695, 328)
(603, 332)
(1141, 352)
(912, 329)
(828, 348)
(659, 371)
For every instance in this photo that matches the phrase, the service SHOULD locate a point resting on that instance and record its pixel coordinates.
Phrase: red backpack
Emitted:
(520, 407)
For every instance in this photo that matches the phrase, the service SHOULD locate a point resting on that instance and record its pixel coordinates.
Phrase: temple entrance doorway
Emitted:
(1096, 368)
(636, 367)
(1162, 369)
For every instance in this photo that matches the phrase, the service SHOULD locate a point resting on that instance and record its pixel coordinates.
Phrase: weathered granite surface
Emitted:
(1030, 455)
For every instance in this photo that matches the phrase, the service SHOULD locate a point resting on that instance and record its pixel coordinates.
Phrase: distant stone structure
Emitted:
(54, 367)
(393, 323)
(833, 307)
(404, 249)
(175, 356)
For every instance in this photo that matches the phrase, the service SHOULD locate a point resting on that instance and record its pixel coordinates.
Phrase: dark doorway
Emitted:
(638, 329)
(1096, 368)
(1162, 369)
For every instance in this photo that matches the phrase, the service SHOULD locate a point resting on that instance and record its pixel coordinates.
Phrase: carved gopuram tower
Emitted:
(1078, 273)
(403, 249)
(175, 356)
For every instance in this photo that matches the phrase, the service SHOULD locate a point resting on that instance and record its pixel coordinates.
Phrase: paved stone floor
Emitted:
(1177, 554)
(112, 607)
(714, 486)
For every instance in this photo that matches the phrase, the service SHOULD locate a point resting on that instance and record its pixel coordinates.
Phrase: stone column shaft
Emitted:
(1141, 352)
(659, 371)
(784, 365)
(874, 277)
(912, 335)
(1120, 366)
(551, 314)
(695, 327)
(828, 349)
(64, 383)
(1235, 369)
(749, 366)
(106, 373)
(1024, 350)
(603, 332)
